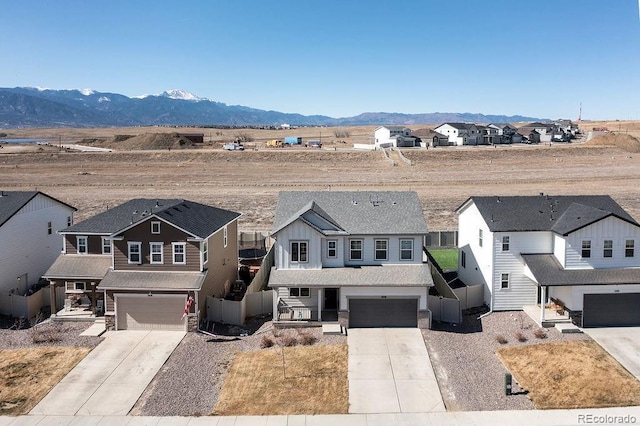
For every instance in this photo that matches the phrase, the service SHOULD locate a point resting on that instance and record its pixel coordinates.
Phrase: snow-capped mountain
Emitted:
(181, 94)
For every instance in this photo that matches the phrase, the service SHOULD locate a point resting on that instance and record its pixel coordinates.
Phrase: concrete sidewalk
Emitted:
(112, 377)
(390, 372)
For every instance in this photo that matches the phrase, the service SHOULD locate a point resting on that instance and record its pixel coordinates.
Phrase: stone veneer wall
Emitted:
(424, 319)
(110, 322)
(343, 318)
(192, 323)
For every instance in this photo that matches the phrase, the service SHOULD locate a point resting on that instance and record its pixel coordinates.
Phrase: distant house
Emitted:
(431, 138)
(545, 131)
(393, 136)
(29, 225)
(352, 256)
(505, 131)
(526, 135)
(460, 133)
(579, 251)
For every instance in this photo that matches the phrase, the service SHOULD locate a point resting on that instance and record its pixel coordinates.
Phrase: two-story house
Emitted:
(460, 133)
(352, 256)
(29, 222)
(579, 250)
(393, 136)
(148, 264)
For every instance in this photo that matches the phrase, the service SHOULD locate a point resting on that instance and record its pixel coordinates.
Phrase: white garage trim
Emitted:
(175, 302)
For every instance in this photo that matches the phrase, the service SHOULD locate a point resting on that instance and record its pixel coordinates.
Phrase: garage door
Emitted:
(383, 313)
(158, 312)
(615, 310)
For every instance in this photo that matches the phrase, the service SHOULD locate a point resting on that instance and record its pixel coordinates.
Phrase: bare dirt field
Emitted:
(249, 181)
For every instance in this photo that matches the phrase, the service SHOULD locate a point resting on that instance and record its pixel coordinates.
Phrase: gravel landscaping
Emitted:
(15, 334)
(469, 373)
(191, 379)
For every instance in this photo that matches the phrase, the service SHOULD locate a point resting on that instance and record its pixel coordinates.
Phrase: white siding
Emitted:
(420, 292)
(26, 247)
(338, 261)
(297, 302)
(393, 250)
(559, 249)
(522, 290)
(298, 231)
(610, 228)
(573, 296)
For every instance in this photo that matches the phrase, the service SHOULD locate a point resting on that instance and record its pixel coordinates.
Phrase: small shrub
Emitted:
(501, 339)
(521, 337)
(540, 333)
(46, 334)
(288, 340)
(266, 342)
(307, 339)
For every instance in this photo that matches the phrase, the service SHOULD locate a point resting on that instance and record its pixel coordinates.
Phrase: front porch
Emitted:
(551, 315)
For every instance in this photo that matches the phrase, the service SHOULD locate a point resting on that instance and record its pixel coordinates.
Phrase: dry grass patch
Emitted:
(27, 375)
(315, 383)
(576, 374)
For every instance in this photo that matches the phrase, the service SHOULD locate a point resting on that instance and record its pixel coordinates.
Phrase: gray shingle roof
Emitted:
(358, 213)
(12, 201)
(365, 276)
(79, 267)
(145, 280)
(459, 126)
(198, 219)
(548, 272)
(560, 214)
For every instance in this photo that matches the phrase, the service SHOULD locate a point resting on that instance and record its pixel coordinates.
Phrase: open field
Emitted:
(249, 181)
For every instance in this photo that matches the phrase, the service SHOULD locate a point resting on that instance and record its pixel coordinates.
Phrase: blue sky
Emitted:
(338, 57)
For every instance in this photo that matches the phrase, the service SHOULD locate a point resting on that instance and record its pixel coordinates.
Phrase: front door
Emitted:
(330, 299)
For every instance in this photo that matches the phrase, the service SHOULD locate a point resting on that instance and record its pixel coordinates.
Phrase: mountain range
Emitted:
(37, 107)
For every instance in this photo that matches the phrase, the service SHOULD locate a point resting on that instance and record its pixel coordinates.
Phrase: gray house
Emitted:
(356, 256)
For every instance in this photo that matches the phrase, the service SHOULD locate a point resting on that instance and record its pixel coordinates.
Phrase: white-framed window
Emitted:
(299, 292)
(156, 253)
(49, 228)
(299, 251)
(106, 245)
(463, 259)
(586, 249)
(406, 249)
(81, 245)
(355, 250)
(179, 253)
(225, 236)
(155, 227)
(76, 285)
(505, 243)
(135, 252)
(629, 248)
(480, 237)
(332, 249)
(382, 249)
(205, 251)
(504, 281)
(607, 248)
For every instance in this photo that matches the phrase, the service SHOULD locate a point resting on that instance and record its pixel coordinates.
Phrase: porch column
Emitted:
(52, 297)
(320, 295)
(543, 297)
(93, 297)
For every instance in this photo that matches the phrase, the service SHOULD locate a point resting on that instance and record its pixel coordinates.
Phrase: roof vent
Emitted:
(157, 204)
(542, 194)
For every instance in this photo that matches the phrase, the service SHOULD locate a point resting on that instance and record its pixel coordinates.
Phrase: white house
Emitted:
(393, 136)
(460, 133)
(29, 225)
(352, 256)
(578, 250)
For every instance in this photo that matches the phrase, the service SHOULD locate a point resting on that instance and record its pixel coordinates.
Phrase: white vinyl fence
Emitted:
(19, 306)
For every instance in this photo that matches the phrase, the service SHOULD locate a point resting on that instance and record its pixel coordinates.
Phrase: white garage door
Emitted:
(157, 312)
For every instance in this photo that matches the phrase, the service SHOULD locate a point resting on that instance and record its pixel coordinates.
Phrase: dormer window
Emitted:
(155, 227)
(106, 245)
(81, 245)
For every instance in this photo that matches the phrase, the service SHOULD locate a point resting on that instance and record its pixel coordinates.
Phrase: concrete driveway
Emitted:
(623, 343)
(112, 377)
(390, 372)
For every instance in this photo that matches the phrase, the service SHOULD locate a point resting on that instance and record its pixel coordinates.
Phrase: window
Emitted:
(106, 246)
(504, 280)
(49, 230)
(179, 253)
(77, 285)
(155, 250)
(299, 251)
(205, 252)
(332, 249)
(463, 259)
(381, 249)
(135, 255)
(607, 250)
(224, 236)
(505, 243)
(82, 245)
(355, 250)
(629, 248)
(406, 249)
(299, 292)
(480, 237)
(586, 248)
(155, 227)
(69, 221)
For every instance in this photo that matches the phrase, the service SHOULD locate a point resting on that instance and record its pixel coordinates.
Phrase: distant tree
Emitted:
(341, 133)
(242, 137)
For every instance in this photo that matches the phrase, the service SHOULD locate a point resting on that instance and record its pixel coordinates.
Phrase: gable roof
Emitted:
(197, 219)
(560, 214)
(428, 133)
(357, 213)
(459, 126)
(12, 201)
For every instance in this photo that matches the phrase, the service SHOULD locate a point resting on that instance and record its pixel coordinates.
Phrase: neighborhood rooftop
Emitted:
(12, 201)
(560, 214)
(356, 213)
